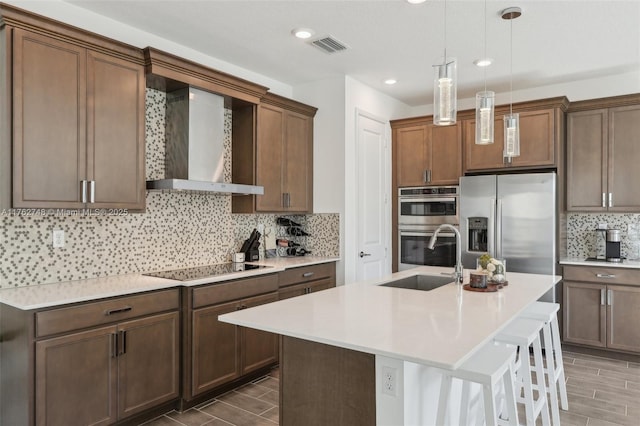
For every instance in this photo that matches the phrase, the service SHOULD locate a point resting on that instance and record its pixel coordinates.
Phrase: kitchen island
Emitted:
(337, 345)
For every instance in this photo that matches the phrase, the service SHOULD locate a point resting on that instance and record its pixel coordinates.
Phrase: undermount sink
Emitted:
(420, 282)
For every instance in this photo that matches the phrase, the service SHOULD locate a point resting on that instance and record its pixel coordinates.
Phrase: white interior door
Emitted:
(373, 198)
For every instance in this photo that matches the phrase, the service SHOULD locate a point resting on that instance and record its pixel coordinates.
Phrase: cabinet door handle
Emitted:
(122, 349)
(288, 199)
(604, 200)
(83, 190)
(92, 191)
(429, 176)
(609, 298)
(602, 296)
(605, 275)
(308, 274)
(611, 199)
(118, 310)
(114, 345)
(424, 176)
(284, 199)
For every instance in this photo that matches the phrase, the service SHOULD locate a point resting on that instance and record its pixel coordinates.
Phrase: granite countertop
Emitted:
(440, 328)
(50, 295)
(632, 264)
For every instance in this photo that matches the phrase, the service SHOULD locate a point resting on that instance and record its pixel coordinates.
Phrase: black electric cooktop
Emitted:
(199, 272)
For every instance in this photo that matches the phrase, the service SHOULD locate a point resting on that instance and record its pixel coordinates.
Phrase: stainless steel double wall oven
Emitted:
(420, 211)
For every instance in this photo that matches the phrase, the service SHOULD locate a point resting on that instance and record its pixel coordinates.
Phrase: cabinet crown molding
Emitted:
(288, 104)
(14, 17)
(168, 72)
(610, 102)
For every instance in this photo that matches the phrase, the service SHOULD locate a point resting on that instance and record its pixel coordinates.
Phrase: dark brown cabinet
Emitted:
(540, 131)
(603, 151)
(91, 363)
(283, 157)
(217, 353)
(77, 117)
(306, 279)
(601, 307)
(426, 154)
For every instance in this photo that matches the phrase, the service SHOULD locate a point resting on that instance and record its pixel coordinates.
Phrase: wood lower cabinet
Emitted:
(218, 353)
(307, 279)
(599, 314)
(77, 117)
(425, 154)
(91, 363)
(283, 160)
(603, 151)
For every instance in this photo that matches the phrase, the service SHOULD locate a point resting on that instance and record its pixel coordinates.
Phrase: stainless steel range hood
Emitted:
(194, 133)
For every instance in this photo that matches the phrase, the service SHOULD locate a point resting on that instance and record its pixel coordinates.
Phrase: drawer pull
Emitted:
(119, 310)
(308, 274)
(605, 275)
(114, 345)
(609, 298)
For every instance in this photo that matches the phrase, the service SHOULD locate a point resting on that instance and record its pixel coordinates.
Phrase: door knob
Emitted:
(363, 254)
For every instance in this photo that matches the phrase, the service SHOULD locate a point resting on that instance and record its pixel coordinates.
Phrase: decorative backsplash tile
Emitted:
(581, 235)
(178, 229)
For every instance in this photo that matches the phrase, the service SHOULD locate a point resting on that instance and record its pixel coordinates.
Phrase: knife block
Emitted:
(251, 256)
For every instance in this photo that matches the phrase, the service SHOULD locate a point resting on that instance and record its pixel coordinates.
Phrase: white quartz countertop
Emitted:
(630, 264)
(439, 328)
(56, 294)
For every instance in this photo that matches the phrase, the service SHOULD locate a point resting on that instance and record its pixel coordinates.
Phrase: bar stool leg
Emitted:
(551, 373)
(524, 374)
(489, 405)
(445, 389)
(542, 391)
(557, 350)
(509, 390)
(464, 404)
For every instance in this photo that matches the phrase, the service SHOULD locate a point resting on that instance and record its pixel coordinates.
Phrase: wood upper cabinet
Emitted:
(603, 152)
(78, 125)
(283, 160)
(538, 142)
(601, 307)
(426, 154)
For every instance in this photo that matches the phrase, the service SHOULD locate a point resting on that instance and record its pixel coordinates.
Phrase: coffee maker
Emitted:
(613, 246)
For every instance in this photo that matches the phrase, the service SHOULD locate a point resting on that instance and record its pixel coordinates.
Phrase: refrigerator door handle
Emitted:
(499, 229)
(491, 240)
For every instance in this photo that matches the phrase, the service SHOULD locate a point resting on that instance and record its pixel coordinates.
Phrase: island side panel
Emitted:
(325, 385)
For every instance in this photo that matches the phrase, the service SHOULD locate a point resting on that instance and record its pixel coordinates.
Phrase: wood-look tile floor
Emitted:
(601, 392)
(254, 404)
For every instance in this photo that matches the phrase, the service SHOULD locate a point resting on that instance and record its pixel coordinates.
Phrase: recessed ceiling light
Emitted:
(484, 62)
(302, 33)
(390, 81)
(416, 1)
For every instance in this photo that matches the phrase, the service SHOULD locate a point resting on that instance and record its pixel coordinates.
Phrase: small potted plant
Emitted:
(494, 268)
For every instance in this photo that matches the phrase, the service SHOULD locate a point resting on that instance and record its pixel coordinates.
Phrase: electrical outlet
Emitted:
(58, 238)
(389, 381)
(261, 228)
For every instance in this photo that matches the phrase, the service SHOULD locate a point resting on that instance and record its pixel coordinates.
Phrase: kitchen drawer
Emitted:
(212, 294)
(307, 273)
(602, 275)
(87, 315)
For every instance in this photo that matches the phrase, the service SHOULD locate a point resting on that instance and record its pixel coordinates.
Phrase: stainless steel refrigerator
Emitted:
(511, 217)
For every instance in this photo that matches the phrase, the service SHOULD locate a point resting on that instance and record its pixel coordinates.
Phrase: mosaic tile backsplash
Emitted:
(581, 235)
(178, 229)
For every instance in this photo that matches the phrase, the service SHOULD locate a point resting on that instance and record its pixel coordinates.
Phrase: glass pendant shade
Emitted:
(445, 93)
(485, 113)
(511, 135)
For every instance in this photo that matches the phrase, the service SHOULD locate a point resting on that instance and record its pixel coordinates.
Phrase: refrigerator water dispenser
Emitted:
(478, 234)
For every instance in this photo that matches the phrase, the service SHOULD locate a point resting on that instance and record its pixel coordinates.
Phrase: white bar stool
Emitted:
(548, 313)
(524, 333)
(489, 366)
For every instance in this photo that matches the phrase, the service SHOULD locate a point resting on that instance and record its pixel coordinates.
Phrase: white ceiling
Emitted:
(553, 41)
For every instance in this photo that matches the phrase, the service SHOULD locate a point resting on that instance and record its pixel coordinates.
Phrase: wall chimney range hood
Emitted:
(194, 132)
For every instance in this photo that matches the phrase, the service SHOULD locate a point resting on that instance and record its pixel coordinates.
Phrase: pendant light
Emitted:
(445, 86)
(485, 101)
(511, 121)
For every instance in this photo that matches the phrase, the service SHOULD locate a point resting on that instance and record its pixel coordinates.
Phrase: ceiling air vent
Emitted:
(329, 44)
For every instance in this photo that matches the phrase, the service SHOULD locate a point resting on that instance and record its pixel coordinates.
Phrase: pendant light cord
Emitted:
(485, 45)
(511, 67)
(445, 32)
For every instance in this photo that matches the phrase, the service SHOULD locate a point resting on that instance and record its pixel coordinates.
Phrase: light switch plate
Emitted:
(58, 238)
